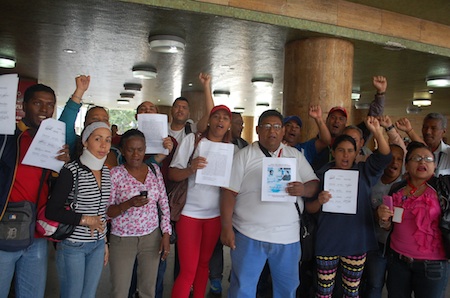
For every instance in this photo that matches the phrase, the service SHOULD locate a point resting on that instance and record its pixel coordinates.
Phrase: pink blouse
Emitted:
(139, 221)
(418, 235)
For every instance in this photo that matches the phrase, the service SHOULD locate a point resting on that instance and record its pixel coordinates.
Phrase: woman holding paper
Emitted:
(199, 226)
(417, 260)
(80, 257)
(333, 248)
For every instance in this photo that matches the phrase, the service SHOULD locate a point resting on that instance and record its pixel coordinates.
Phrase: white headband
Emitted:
(88, 130)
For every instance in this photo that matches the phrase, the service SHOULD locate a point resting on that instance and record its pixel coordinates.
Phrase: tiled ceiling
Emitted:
(109, 37)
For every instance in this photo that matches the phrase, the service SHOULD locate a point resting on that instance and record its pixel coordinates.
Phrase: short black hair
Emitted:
(343, 138)
(129, 134)
(29, 93)
(269, 113)
(181, 98)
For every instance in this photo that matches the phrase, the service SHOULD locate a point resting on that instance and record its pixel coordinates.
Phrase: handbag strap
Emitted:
(197, 138)
(74, 204)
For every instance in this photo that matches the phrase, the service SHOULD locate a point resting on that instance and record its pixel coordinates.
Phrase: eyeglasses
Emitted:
(268, 126)
(419, 158)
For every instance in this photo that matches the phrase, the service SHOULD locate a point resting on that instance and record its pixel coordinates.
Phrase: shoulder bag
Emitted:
(53, 230)
(18, 223)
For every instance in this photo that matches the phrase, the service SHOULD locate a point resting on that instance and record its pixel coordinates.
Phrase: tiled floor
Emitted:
(103, 290)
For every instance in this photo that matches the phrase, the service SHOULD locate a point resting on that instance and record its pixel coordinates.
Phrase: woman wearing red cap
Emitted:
(198, 228)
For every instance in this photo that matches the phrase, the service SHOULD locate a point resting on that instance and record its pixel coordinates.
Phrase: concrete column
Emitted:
(317, 71)
(249, 128)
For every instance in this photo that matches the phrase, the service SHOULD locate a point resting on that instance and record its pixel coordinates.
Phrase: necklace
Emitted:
(414, 189)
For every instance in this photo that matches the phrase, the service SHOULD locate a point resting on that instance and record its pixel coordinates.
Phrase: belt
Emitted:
(406, 259)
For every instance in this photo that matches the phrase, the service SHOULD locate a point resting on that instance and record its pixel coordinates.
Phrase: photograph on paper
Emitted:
(343, 187)
(277, 173)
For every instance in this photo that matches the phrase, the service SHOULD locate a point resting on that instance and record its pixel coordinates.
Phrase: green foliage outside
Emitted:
(124, 119)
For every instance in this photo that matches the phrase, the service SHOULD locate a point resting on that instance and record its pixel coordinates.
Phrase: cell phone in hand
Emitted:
(144, 193)
(387, 200)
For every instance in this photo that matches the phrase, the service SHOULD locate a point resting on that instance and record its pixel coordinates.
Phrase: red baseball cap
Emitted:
(220, 107)
(341, 109)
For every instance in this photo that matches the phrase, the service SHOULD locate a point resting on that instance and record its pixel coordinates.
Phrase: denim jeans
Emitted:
(374, 275)
(160, 279)
(30, 268)
(248, 260)
(427, 279)
(79, 266)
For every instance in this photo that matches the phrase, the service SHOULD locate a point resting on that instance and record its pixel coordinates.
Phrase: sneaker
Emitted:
(215, 286)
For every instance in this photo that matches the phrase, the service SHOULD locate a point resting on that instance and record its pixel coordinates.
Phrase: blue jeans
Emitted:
(79, 266)
(374, 274)
(427, 279)
(248, 260)
(160, 279)
(30, 267)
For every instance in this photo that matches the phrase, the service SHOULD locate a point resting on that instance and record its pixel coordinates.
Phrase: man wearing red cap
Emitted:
(337, 120)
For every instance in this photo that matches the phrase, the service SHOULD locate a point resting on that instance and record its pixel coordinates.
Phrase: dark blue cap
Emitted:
(292, 118)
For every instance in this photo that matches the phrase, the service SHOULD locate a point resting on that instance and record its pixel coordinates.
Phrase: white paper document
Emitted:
(155, 128)
(44, 148)
(343, 187)
(277, 173)
(8, 98)
(220, 159)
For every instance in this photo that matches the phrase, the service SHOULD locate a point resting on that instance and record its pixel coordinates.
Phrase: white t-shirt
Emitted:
(179, 135)
(202, 200)
(274, 222)
(442, 159)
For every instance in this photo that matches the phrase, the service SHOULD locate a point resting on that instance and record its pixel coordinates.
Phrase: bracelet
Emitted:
(76, 97)
(389, 128)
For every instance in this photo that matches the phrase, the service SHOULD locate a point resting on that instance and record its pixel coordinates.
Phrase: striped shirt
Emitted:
(91, 199)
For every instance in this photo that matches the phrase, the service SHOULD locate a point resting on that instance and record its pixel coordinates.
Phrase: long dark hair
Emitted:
(343, 138)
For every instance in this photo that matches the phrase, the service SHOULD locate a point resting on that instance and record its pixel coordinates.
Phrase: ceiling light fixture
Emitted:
(166, 43)
(144, 72)
(126, 95)
(413, 110)
(356, 95)
(362, 105)
(221, 94)
(123, 101)
(239, 109)
(441, 81)
(69, 51)
(7, 62)
(263, 104)
(266, 82)
(132, 86)
(422, 102)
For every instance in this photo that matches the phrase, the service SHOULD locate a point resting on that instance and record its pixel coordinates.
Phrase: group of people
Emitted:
(118, 202)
